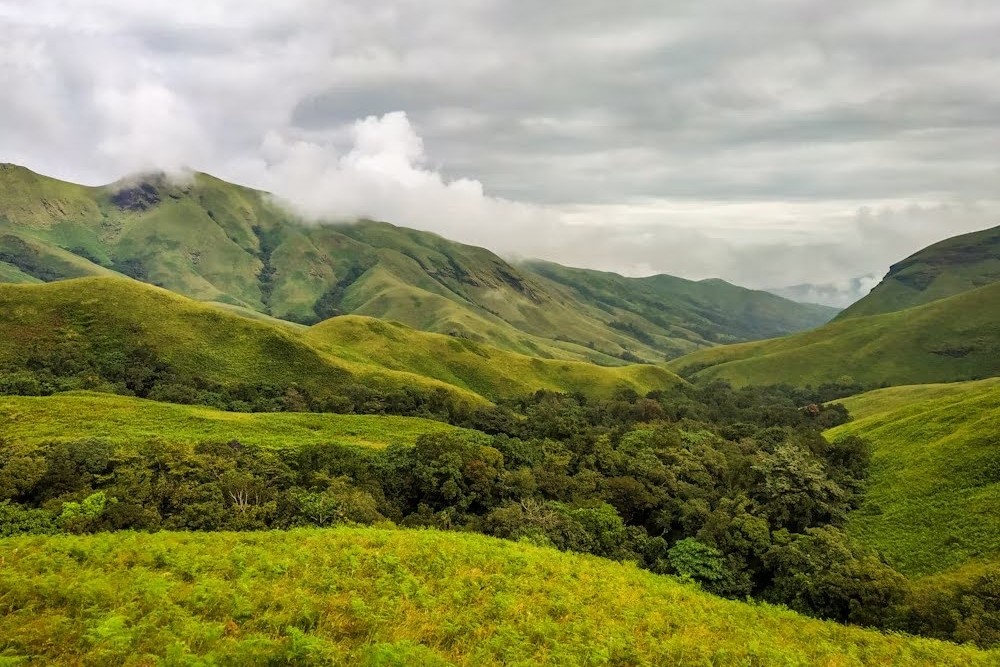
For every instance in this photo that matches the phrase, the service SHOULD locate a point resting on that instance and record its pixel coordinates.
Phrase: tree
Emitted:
(693, 560)
(826, 574)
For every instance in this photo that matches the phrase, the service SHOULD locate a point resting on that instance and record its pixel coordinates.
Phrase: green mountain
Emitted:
(956, 338)
(109, 333)
(934, 486)
(215, 241)
(953, 266)
(364, 596)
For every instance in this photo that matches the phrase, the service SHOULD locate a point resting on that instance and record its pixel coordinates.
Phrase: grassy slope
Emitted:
(377, 597)
(125, 420)
(485, 370)
(102, 316)
(216, 241)
(935, 489)
(950, 267)
(951, 339)
(105, 316)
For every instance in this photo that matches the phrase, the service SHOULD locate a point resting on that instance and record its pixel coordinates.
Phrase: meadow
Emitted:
(123, 420)
(934, 486)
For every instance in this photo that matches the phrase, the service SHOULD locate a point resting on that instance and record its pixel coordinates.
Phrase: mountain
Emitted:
(219, 242)
(364, 596)
(705, 312)
(956, 338)
(953, 266)
(108, 333)
(934, 487)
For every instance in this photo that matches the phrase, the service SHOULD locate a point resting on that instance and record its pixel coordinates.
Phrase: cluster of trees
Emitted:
(735, 490)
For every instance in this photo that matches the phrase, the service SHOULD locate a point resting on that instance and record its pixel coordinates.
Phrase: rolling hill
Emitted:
(950, 267)
(393, 597)
(950, 339)
(99, 330)
(215, 241)
(935, 482)
(124, 420)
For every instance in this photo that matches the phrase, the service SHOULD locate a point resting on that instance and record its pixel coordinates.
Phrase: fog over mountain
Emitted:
(793, 143)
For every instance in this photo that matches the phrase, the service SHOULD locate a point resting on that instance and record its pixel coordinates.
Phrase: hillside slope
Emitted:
(706, 311)
(935, 481)
(485, 370)
(378, 597)
(950, 267)
(957, 338)
(215, 241)
(100, 330)
(124, 420)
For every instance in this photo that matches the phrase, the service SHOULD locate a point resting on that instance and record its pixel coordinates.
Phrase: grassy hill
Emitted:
(215, 241)
(103, 328)
(387, 597)
(485, 370)
(957, 338)
(935, 483)
(124, 420)
(953, 266)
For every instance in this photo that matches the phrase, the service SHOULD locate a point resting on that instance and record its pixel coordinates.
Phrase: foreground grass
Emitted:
(388, 597)
(124, 420)
(935, 482)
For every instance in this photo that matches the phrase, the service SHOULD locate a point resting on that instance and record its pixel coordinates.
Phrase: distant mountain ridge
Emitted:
(215, 241)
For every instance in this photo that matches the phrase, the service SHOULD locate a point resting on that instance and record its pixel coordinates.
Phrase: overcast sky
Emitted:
(765, 142)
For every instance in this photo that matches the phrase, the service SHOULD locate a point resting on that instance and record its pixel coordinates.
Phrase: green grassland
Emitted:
(100, 318)
(125, 420)
(216, 241)
(950, 267)
(487, 371)
(957, 338)
(935, 480)
(392, 597)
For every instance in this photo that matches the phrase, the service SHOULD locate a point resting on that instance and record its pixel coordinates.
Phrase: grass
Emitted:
(392, 597)
(488, 371)
(935, 482)
(948, 340)
(100, 317)
(216, 241)
(126, 421)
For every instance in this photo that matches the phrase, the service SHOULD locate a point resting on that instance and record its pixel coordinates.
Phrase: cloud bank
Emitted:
(770, 144)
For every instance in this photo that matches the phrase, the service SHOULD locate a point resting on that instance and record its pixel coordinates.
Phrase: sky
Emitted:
(769, 143)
